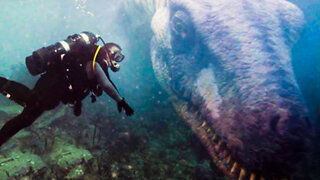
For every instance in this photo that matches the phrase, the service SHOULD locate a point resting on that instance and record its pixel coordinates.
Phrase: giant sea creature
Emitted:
(227, 67)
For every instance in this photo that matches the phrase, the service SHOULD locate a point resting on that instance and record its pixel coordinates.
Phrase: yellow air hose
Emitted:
(94, 59)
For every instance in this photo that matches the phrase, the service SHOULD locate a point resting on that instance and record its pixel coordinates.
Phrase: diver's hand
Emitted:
(127, 109)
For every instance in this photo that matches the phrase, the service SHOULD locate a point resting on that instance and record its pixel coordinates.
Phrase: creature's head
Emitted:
(227, 66)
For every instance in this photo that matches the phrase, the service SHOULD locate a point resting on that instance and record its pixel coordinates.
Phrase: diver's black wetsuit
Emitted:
(46, 95)
(69, 82)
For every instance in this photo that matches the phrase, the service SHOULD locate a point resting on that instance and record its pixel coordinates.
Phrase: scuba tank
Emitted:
(40, 59)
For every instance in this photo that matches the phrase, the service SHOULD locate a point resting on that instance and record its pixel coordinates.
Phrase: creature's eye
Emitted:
(179, 26)
(180, 21)
(182, 32)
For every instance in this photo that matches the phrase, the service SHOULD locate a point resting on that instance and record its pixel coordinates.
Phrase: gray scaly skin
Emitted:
(227, 66)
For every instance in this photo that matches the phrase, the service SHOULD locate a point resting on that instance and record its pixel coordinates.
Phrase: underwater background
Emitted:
(102, 144)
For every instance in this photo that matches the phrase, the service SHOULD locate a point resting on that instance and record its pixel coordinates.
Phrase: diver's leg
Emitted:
(44, 96)
(25, 119)
(15, 91)
(3, 81)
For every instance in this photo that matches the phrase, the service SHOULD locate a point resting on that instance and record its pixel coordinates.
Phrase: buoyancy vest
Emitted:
(74, 69)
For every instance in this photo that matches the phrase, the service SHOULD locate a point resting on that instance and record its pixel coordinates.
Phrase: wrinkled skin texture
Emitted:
(227, 66)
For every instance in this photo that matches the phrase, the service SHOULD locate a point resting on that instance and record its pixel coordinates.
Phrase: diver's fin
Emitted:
(14, 91)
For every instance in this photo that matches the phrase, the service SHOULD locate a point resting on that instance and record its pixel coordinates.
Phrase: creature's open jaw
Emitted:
(216, 147)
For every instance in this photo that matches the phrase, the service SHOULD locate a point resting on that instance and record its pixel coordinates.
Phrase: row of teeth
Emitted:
(223, 158)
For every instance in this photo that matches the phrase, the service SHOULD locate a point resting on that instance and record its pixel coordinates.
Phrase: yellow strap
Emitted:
(95, 56)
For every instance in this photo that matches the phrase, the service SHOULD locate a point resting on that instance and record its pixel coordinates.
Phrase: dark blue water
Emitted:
(306, 54)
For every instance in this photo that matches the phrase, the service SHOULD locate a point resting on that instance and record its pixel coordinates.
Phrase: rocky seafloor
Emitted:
(103, 145)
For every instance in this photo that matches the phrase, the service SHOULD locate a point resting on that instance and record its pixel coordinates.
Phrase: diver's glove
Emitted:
(127, 109)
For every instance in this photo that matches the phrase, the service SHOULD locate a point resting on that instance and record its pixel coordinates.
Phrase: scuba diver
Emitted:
(70, 70)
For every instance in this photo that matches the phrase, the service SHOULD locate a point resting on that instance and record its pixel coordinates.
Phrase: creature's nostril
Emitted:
(274, 121)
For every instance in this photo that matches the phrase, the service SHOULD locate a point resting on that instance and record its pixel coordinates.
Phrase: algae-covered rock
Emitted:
(66, 155)
(68, 161)
(3, 115)
(19, 164)
(49, 116)
(11, 110)
(76, 172)
(22, 134)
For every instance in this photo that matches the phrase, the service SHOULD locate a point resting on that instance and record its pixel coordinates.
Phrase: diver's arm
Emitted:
(108, 87)
(105, 83)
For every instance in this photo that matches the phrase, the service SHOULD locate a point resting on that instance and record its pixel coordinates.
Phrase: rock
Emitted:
(11, 110)
(76, 172)
(65, 155)
(68, 160)
(3, 115)
(49, 117)
(19, 164)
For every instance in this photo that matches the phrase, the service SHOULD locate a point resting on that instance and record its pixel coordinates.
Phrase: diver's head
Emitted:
(114, 55)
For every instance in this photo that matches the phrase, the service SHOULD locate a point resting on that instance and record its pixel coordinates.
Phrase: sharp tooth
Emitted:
(234, 166)
(242, 174)
(203, 124)
(252, 176)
